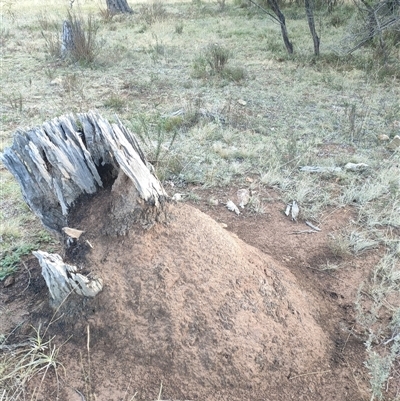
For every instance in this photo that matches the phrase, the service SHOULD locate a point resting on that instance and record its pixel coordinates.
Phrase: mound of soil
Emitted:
(189, 304)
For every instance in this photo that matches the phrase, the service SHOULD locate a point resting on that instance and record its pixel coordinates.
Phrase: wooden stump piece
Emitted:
(71, 156)
(118, 6)
(63, 279)
(67, 41)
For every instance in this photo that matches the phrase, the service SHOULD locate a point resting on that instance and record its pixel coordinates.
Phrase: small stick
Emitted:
(159, 394)
(14, 346)
(29, 282)
(347, 339)
(310, 373)
(304, 232)
(82, 396)
(312, 226)
(355, 380)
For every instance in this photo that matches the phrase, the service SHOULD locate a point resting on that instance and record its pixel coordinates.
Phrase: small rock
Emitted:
(177, 197)
(355, 166)
(56, 82)
(394, 143)
(223, 225)
(9, 281)
(242, 102)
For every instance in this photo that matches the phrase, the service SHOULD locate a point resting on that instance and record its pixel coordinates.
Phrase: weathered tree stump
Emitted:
(185, 301)
(118, 6)
(72, 157)
(67, 40)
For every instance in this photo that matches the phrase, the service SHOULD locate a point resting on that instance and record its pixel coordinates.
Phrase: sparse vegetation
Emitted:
(83, 46)
(213, 61)
(20, 364)
(214, 100)
(153, 12)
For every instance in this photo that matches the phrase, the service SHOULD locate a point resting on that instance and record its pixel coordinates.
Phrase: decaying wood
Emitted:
(67, 41)
(63, 279)
(71, 156)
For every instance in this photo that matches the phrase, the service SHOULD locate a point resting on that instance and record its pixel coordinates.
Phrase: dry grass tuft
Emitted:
(20, 363)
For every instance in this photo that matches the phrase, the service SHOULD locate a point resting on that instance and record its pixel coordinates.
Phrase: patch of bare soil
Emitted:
(211, 313)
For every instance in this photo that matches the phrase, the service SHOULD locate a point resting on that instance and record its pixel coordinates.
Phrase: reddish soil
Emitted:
(240, 313)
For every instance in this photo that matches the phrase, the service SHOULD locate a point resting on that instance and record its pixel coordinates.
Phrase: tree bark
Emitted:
(275, 8)
(68, 159)
(118, 6)
(311, 23)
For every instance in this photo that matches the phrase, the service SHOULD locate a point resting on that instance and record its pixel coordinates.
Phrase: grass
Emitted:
(20, 364)
(20, 231)
(213, 100)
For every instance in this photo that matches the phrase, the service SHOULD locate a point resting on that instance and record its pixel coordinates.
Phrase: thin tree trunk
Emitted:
(275, 8)
(311, 23)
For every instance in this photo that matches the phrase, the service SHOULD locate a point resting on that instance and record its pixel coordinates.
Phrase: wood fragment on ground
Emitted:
(303, 232)
(312, 226)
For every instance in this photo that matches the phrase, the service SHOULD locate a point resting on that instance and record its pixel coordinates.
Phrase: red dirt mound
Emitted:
(190, 304)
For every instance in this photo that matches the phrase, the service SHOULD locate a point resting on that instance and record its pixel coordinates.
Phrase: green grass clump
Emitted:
(213, 61)
(9, 262)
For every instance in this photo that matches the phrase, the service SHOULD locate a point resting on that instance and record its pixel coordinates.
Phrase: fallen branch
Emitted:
(303, 232)
(312, 226)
